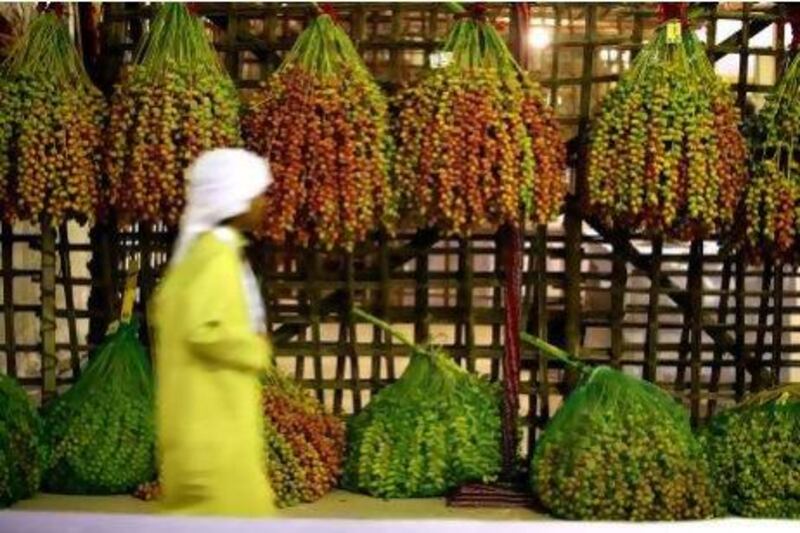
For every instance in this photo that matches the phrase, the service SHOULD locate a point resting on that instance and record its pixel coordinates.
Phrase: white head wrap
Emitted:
(221, 184)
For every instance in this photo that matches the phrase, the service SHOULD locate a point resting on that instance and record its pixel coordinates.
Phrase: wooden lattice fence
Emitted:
(705, 329)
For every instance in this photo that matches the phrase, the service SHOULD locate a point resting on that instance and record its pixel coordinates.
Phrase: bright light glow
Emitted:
(609, 54)
(539, 37)
(728, 67)
(726, 28)
(702, 34)
(440, 59)
(539, 21)
(763, 39)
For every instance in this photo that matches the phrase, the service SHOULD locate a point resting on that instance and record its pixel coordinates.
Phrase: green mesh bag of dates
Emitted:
(22, 450)
(754, 451)
(435, 428)
(620, 448)
(101, 432)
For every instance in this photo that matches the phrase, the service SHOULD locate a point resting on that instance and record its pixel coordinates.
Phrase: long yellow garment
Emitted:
(208, 361)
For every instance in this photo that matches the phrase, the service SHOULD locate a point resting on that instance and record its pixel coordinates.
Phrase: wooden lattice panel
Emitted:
(584, 288)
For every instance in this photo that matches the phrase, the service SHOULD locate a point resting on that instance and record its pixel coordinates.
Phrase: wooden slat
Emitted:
(497, 303)
(744, 54)
(619, 279)
(780, 53)
(421, 303)
(651, 342)
(722, 318)
(384, 267)
(380, 302)
(263, 284)
(147, 276)
(48, 311)
(8, 300)
(352, 339)
(684, 348)
(540, 328)
(102, 268)
(232, 32)
(739, 350)
(695, 283)
(465, 301)
(315, 270)
(777, 325)
(573, 219)
(69, 299)
(761, 333)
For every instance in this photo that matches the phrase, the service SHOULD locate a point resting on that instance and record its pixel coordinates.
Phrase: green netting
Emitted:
(101, 433)
(437, 427)
(754, 450)
(22, 452)
(620, 448)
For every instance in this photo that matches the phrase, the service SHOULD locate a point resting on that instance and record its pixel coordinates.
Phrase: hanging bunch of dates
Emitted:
(51, 128)
(477, 145)
(323, 123)
(666, 154)
(173, 103)
(770, 218)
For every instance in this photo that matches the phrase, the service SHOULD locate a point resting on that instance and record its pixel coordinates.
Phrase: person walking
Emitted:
(211, 346)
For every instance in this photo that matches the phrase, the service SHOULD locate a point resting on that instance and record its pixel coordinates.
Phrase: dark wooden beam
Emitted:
(749, 29)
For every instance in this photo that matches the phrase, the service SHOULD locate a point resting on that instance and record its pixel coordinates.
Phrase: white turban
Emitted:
(221, 184)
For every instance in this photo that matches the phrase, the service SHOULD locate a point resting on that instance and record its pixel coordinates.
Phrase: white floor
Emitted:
(337, 512)
(46, 522)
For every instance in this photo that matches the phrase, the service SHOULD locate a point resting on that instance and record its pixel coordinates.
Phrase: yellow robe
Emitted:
(208, 362)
